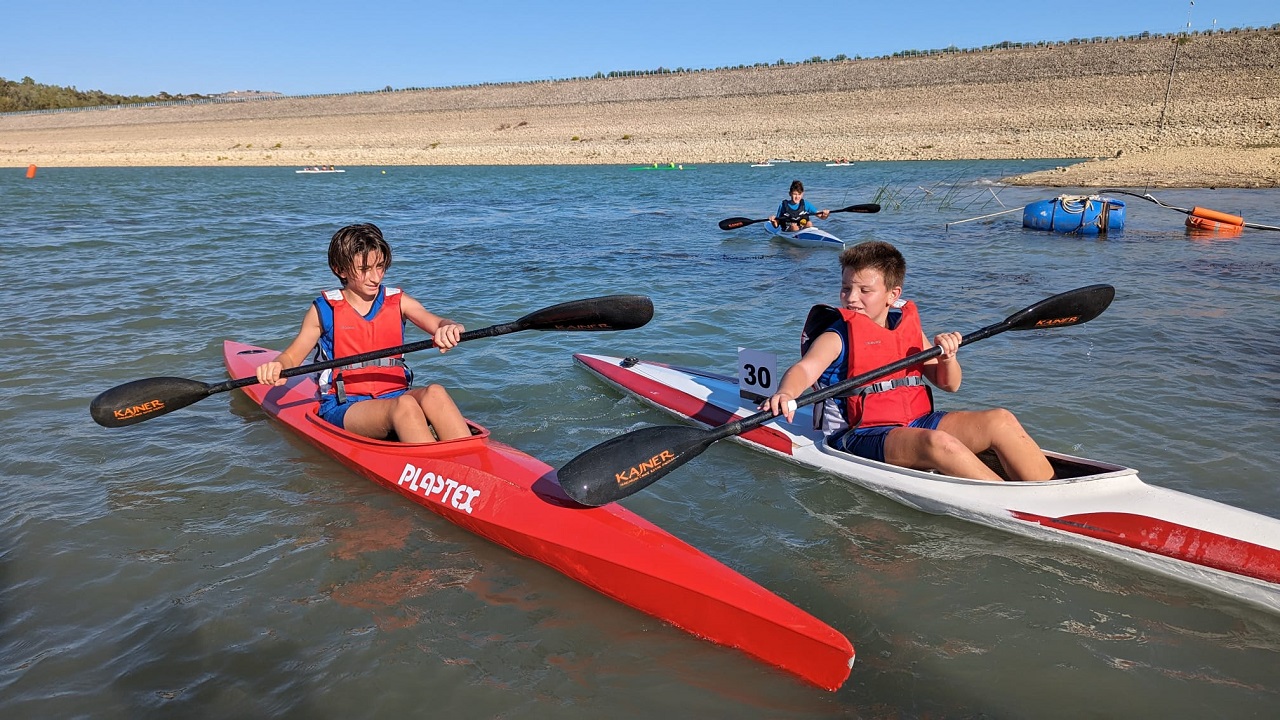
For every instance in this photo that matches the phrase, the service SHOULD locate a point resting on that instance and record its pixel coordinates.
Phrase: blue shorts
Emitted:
(869, 442)
(332, 411)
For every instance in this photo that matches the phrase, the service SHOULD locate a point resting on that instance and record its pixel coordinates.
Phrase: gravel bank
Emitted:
(1208, 117)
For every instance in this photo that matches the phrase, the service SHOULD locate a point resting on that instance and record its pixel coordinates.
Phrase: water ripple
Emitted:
(207, 564)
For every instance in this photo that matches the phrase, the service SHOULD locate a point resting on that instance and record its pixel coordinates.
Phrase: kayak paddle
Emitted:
(629, 463)
(734, 223)
(141, 400)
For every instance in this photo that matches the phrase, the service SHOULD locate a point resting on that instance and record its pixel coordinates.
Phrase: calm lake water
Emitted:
(207, 564)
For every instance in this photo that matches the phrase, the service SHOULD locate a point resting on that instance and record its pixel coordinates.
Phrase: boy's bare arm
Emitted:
(801, 376)
(944, 371)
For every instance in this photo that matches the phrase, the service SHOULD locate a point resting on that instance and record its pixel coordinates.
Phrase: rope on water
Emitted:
(982, 217)
(1185, 211)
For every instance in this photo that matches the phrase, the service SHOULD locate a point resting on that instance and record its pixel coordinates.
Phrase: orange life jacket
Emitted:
(893, 399)
(345, 332)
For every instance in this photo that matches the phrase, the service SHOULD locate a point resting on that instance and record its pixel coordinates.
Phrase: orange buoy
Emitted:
(1200, 226)
(31, 171)
(1220, 217)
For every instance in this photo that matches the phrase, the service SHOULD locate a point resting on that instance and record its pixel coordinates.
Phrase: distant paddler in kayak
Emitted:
(894, 420)
(794, 212)
(374, 398)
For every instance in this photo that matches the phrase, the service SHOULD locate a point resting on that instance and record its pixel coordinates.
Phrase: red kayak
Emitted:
(513, 499)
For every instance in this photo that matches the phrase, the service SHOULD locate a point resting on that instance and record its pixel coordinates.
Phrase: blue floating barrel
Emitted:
(1075, 214)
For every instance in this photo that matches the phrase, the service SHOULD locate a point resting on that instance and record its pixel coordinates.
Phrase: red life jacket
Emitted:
(353, 334)
(893, 399)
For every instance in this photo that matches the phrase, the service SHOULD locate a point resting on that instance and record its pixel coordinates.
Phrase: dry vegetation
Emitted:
(1213, 118)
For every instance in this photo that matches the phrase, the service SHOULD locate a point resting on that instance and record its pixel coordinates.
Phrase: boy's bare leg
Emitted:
(411, 416)
(922, 449)
(440, 410)
(378, 418)
(1000, 431)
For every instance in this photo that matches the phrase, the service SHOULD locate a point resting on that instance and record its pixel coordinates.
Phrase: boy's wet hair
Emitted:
(876, 255)
(796, 186)
(356, 241)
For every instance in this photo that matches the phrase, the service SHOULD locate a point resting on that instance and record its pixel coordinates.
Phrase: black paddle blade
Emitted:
(863, 208)
(141, 400)
(1064, 309)
(611, 312)
(734, 223)
(630, 463)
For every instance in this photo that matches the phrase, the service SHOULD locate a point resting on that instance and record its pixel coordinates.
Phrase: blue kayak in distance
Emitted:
(1075, 215)
(808, 237)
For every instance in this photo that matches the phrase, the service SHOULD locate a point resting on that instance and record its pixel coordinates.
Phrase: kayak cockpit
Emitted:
(479, 436)
(1066, 469)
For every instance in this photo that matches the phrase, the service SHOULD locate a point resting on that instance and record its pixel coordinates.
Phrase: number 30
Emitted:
(758, 376)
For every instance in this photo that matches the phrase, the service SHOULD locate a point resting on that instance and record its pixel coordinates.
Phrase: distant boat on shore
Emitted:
(318, 169)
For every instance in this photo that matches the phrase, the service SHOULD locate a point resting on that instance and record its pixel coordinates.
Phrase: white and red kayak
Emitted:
(1095, 506)
(808, 236)
(513, 499)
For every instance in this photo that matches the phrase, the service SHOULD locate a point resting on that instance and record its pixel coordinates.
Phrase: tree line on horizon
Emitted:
(27, 94)
(1179, 37)
(951, 49)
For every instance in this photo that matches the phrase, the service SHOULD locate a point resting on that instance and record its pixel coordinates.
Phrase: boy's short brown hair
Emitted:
(796, 186)
(876, 255)
(355, 241)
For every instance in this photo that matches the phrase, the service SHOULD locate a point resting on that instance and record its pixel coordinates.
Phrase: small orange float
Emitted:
(1203, 222)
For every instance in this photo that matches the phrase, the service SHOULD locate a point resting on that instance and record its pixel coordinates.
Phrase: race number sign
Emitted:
(757, 374)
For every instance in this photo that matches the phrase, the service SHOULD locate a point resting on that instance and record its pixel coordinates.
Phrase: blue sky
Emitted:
(142, 47)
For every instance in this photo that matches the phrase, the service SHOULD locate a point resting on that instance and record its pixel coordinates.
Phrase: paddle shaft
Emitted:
(628, 463)
(738, 222)
(604, 313)
(491, 331)
(739, 426)
(141, 400)
(1062, 310)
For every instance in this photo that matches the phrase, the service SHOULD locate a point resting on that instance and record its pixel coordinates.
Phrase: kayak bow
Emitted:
(513, 499)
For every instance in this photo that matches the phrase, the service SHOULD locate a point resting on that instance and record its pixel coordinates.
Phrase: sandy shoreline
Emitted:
(1209, 117)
